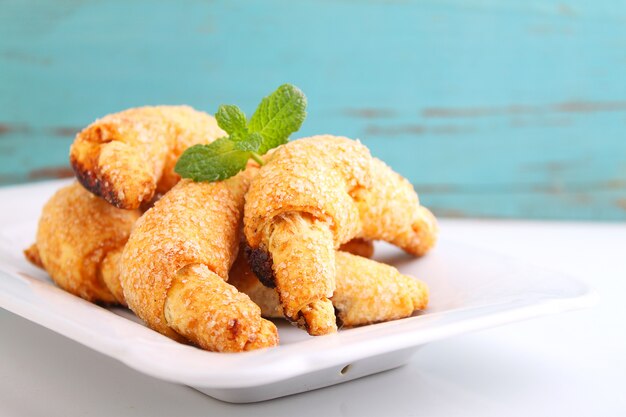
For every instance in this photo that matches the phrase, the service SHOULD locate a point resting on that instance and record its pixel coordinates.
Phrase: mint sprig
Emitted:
(278, 116)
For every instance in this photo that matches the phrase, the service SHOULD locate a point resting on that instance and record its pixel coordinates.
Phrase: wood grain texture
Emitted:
(491, 108)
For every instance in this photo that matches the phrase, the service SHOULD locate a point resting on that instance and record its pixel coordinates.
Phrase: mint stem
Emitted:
(257, 158)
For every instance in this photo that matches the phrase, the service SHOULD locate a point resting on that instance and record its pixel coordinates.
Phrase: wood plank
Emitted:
(471, 100)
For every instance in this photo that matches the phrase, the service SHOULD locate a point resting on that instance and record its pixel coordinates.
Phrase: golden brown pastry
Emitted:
(367, 291)
(298, 211)
(360, 247)
(205, 309)
(79, 240)
(390, 211)
(175, 263)
(242, 277)
(371, 292)
(126, 157)
(313, 195)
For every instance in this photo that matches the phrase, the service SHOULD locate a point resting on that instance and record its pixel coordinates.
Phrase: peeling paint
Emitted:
(552, 167)
(51, 172)
(582, 106)
(65, 131)
(395, 130)
(590, 106)
(463, 111)
(6, 128)
(418, 129)
(513, 109)
(369, 113)
(27, 58)
(616, 184)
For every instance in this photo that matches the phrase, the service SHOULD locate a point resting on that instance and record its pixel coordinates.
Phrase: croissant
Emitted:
(176, 261)
(126, 157)
(390, 211)
(79, 242)
(313, 195)
(367, 291)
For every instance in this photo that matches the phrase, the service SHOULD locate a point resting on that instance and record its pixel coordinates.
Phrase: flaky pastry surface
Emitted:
(299, 209)
(126, 157)
(315, 194)
(78, 239)
(390, 211)
(193, 227)
(366, 291)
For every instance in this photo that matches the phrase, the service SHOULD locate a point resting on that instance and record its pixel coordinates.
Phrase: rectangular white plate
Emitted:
(470, 289)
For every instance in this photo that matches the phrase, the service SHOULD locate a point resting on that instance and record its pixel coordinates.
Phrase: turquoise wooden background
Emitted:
(494, 108)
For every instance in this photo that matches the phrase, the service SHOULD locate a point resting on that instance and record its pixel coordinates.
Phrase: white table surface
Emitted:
(573, 364)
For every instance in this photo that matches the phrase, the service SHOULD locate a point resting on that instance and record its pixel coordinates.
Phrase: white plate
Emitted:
(470, 289)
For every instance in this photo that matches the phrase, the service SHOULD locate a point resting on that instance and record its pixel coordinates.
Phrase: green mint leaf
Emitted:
(279, 115)
(231, 119)
(251, 144)
(213, 162)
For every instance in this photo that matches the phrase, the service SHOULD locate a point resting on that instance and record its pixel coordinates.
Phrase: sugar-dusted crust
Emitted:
(371, 292)
(299, 209)
(261, 262)
(77, 234)
(201, 306)
(191, 235)
(303, 263)
(390, 211)
(259, 286)
(317, 176)
(313, 195)
(126, 157)
(366, 292)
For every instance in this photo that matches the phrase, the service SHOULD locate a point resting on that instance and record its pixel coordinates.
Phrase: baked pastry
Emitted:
(176, 262)
(79, 242)
(128, 156)
(390, 210)
(366, 291)
(313, 195)
(68, 236)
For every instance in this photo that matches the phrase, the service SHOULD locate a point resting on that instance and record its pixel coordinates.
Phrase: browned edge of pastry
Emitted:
(94, 184)
(32, 255)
